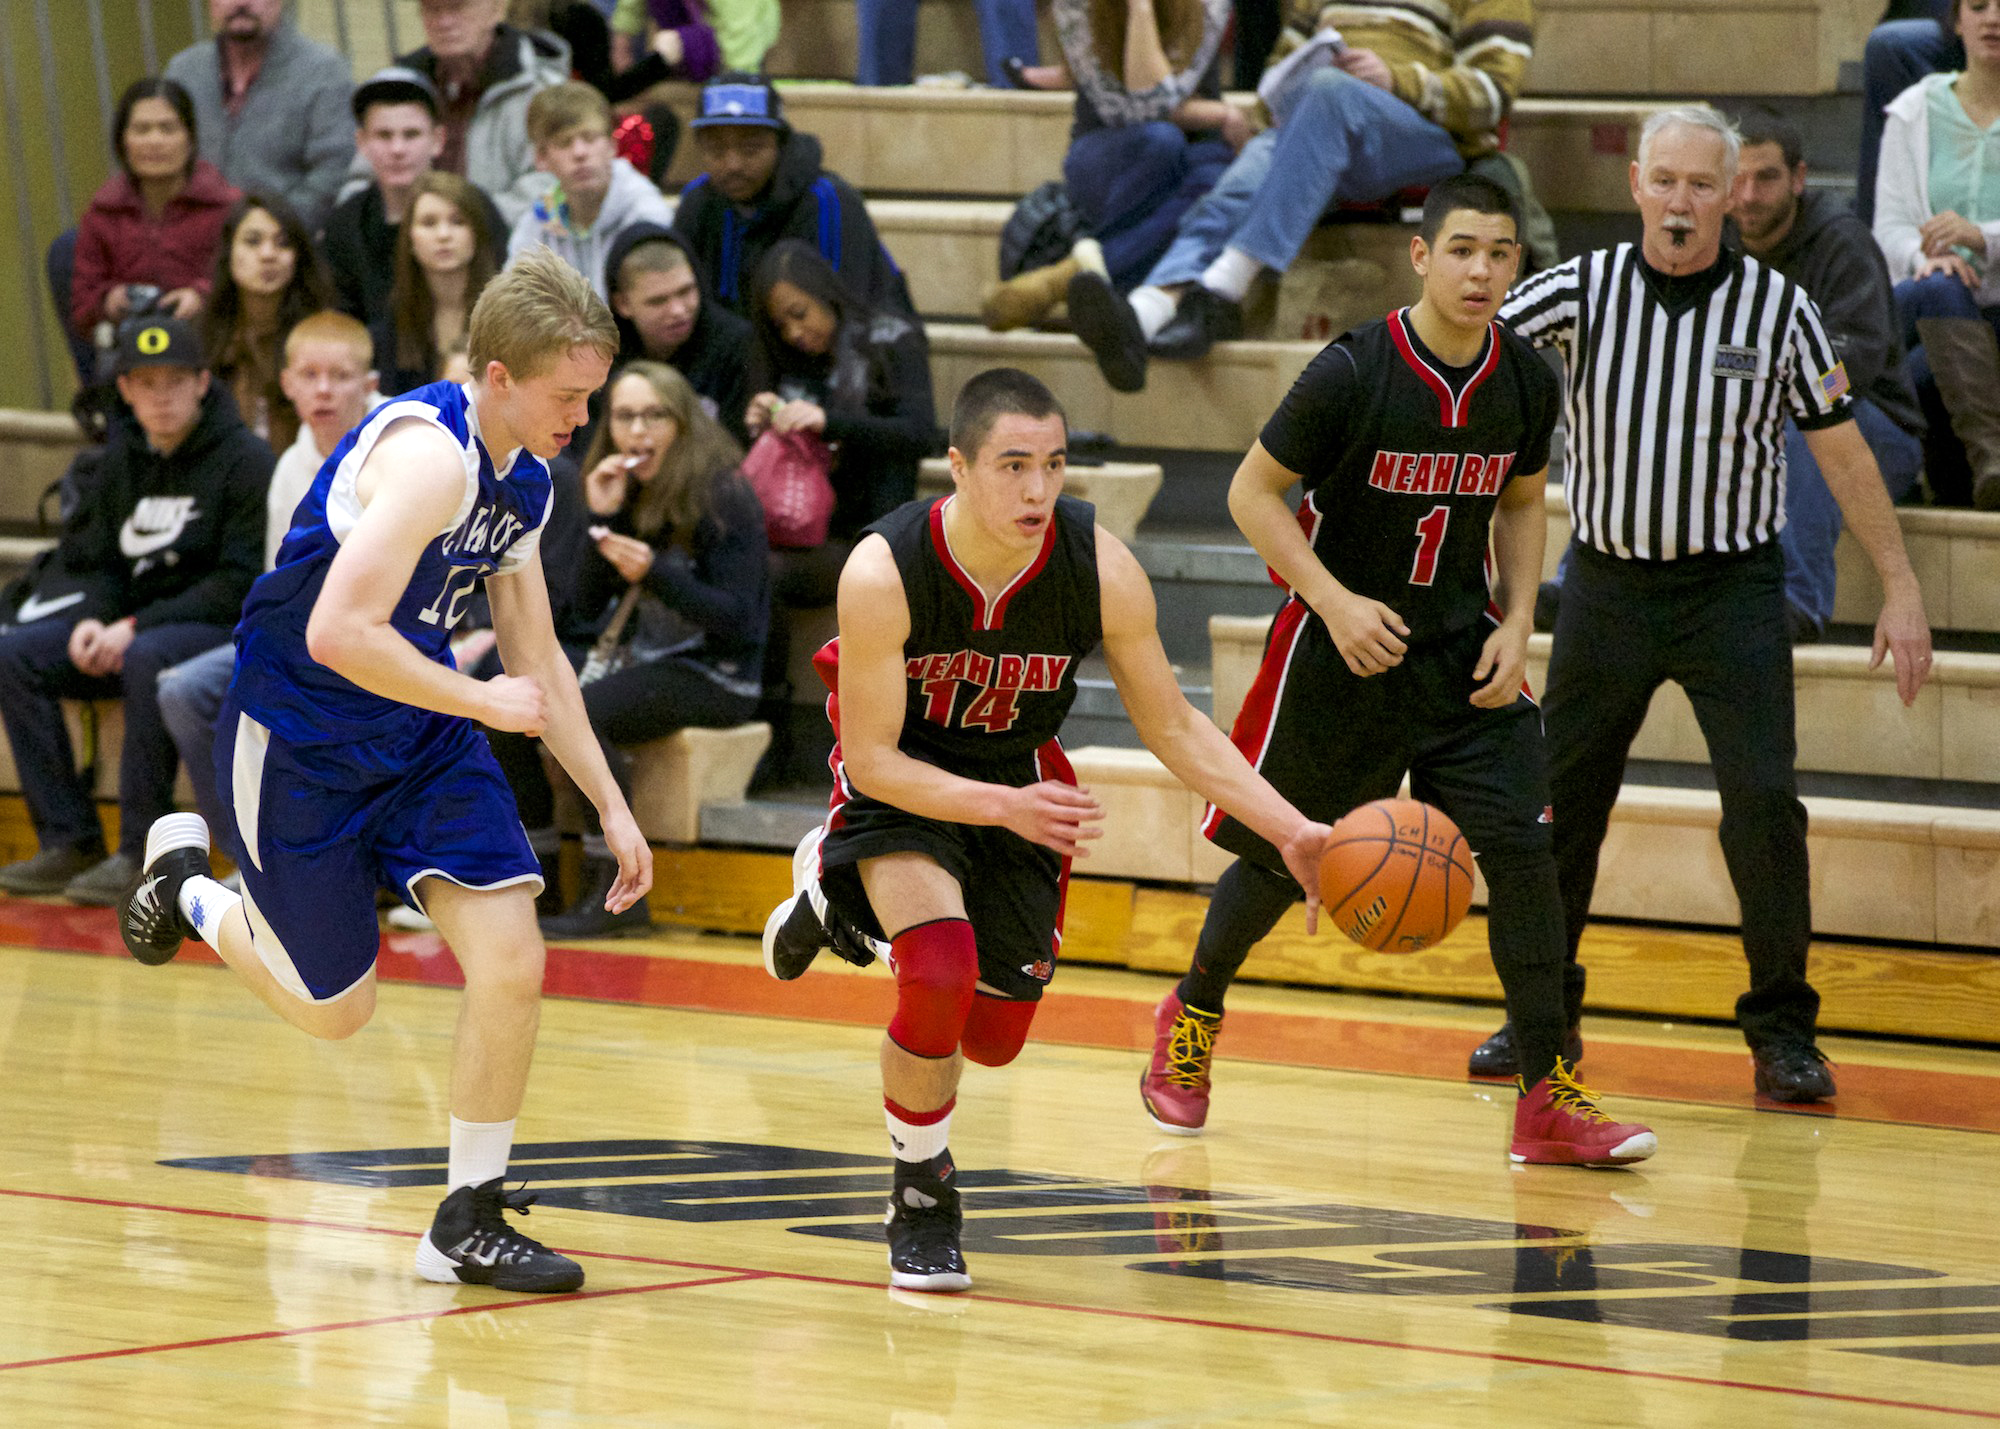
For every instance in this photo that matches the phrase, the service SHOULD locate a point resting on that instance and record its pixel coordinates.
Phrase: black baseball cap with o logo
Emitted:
(158, 342)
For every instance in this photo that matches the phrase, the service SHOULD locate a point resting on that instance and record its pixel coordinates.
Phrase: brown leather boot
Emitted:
(1965, 359)
(1026, 298)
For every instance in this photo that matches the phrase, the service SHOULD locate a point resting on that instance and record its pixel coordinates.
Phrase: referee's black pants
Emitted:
(1715, 625)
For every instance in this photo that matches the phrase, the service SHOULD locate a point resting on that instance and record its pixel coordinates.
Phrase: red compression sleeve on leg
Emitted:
(937, 966)
(995, 1030)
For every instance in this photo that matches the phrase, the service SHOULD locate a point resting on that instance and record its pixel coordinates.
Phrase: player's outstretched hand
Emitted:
(1302, 853)
(1903, 631)
(1503, 666)
(515, 704)
(635, 861)
(1055, 815)
(1367, 633)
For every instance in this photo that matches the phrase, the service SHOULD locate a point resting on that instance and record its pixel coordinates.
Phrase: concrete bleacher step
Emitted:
(1879, 870)
(1666, 47)
(916, 140)
(1849, 718)
(1220, 403)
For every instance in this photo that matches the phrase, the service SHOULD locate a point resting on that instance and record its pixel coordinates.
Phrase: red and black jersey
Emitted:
(1404, 458)
(991, 681)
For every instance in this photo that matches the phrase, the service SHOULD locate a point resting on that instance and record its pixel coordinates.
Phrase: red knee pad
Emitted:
(937, 966)
(995, 1030)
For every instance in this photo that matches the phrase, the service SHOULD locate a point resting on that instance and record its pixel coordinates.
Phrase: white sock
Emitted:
(1155, 307)
(919, 1142)
(205, 903)
(479, 1151)
(1232, 274)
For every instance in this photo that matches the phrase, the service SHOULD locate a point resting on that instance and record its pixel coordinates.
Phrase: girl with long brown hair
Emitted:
(445, 256)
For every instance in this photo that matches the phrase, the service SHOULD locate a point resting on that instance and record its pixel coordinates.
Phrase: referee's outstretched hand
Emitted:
(1056, 815)
(1902, 631)
(1366, 632)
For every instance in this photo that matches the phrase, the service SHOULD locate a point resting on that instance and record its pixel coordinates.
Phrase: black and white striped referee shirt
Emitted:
(1678, 393)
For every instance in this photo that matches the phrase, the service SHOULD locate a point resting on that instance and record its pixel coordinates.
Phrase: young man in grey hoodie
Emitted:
(596, 196)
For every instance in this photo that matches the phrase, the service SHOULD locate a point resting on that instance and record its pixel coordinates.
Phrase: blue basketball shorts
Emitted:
(316, 830)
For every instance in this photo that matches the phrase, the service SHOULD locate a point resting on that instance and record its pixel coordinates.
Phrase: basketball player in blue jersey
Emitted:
(955, 815)
(350, 754)
(1416, 439)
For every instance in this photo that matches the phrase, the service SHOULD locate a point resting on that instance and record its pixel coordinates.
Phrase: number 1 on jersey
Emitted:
(1430, 540)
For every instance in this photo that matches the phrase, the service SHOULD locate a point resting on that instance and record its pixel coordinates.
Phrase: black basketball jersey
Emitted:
(1404, 459)
(991, 681)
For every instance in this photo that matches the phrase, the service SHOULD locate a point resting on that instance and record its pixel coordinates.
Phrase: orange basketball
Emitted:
(1397, 876)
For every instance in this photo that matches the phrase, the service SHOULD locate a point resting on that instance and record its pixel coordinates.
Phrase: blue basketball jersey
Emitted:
(495, 529)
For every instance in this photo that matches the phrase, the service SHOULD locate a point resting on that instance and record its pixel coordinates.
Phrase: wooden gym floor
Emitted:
(208, 1218)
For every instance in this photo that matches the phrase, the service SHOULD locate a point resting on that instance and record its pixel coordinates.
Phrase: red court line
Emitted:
(1952, 1101)
(249, 1337)
(730, 1274)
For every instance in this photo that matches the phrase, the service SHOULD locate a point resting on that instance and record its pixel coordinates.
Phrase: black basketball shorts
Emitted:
(1330, 740)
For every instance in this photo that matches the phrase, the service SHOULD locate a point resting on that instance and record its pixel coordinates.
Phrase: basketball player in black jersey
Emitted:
(955, 815)
(1413, 438)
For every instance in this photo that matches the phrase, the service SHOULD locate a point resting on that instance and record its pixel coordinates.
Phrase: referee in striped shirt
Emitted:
(1683, 364)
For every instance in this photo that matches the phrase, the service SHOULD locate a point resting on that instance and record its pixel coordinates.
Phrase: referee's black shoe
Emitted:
(1495, 1056)
(1792, 1072)
(1104, 321)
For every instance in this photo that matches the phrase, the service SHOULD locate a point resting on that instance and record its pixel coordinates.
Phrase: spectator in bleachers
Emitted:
(762, 182)
(444, 259)
(1404, 100)
(825, 362)
(672, 549)
(1151, 135)
(328, 380)
(398, 135)
(267, 276)
(596, 196)
(655, 40)
(1813, 239)
(1914, 39)
(272, 105)
(485, 73)
(664, 315)
(887, 40)
(166, 535)
(1937, 219)
(157, 222)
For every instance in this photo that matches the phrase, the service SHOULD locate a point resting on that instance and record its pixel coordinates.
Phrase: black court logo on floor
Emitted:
(1726, 1292)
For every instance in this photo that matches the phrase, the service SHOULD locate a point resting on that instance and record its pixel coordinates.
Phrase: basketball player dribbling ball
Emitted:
(1414, 438)
(956, 815)
(350, 754)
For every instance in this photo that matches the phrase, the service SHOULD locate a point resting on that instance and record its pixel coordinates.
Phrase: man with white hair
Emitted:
(1684, 362)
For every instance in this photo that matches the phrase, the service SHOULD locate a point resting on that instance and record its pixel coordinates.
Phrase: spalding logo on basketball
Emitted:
(1396, 876)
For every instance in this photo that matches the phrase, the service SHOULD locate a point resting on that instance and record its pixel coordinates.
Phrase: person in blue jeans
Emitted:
(1402, 102)
(887, 40)
(1901, 50)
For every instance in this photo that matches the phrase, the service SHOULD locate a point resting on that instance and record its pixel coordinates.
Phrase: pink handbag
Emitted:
(789, 472)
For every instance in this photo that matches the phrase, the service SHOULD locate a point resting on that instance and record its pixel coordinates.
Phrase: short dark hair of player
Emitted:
(1465, 193)
(995, 393)
(1762, 126)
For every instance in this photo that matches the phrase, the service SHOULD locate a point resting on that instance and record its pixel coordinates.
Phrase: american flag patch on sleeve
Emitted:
(1833, 385)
